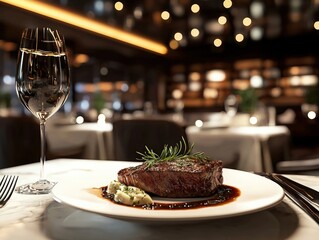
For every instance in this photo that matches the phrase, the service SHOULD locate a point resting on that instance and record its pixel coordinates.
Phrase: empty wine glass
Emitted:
(42, 85)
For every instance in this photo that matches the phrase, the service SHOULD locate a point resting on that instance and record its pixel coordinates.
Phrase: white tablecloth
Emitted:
(244, 148)
(95, 137)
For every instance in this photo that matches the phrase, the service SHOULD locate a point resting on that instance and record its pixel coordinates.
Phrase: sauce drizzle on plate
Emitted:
(224, 194)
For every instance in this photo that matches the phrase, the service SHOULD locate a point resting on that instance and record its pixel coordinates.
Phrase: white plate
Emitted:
(257, 193)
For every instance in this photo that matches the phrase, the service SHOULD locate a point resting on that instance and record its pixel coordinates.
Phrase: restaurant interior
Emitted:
(159, 119)
(177, 60)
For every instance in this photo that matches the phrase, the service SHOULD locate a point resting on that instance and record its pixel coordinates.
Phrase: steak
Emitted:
(175, 179)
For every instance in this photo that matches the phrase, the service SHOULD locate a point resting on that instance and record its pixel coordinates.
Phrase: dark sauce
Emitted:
(224, 194)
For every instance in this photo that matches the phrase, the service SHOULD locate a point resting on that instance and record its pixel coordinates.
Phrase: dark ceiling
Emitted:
(277, 26)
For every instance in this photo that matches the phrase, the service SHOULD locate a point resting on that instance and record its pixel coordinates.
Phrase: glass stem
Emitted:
(43, 149)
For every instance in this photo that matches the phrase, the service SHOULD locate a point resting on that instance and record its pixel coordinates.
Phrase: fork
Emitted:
(7, 186)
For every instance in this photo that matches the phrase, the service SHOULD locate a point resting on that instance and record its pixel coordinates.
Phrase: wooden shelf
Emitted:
(277, 82)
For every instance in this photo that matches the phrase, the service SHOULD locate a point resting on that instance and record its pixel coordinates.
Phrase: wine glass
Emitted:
(42, 85)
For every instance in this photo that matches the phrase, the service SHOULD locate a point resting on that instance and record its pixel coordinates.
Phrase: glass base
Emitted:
(39, 187)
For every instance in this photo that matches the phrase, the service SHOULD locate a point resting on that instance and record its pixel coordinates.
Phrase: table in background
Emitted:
(95, 137)
(40, 217)
(244, 148)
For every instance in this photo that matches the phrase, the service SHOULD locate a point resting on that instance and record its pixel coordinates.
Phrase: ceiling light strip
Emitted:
(88, 24)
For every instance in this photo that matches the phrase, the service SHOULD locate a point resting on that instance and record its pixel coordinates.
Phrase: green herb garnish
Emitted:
(170, 153)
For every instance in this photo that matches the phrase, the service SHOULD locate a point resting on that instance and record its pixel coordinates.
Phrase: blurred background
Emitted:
(179, 56)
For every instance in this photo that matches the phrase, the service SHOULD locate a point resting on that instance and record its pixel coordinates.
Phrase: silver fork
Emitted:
(7, 186)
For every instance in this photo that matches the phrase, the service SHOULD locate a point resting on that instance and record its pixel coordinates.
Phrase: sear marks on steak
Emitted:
(175, 179)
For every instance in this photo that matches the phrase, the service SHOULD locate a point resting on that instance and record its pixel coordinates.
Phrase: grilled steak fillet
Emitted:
(175, 179)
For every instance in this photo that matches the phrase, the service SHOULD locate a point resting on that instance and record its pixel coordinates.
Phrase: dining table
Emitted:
(95, 138)
(249, 148)
(49, 216)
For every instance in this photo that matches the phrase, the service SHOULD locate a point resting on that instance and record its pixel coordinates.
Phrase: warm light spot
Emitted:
(256, 81)
(222, 20)
(294, 70)
(311, 115)
(8, 46)
(294, 81)
(195, 32)
(275, 92)
(309, 80)
(216, 75)
(218, 42)
(227, 3)
(177, 94)
(82, 22)
(173, 44)
(210, 93)
(165, 15)
(138, 13)
(79, 120)
(194, 76)
(239, 37)
(194, 86)
(195, 8)
(199, 123)
(118, 6)
(101, 118)
(105, 86)
(81, 58)
(253, 120)
(246, 21)
(240, 84)
(316, 25)
(300, 70)
(178, 36)
(306, 80)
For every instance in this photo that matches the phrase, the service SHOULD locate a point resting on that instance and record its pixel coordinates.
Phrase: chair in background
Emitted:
(19, 141)
(304, 166)
(131, 136)
(303, 160)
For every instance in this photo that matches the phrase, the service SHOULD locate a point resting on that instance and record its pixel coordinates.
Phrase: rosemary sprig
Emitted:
(171, 153)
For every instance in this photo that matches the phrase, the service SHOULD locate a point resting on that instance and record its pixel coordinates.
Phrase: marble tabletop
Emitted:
(41, 217)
